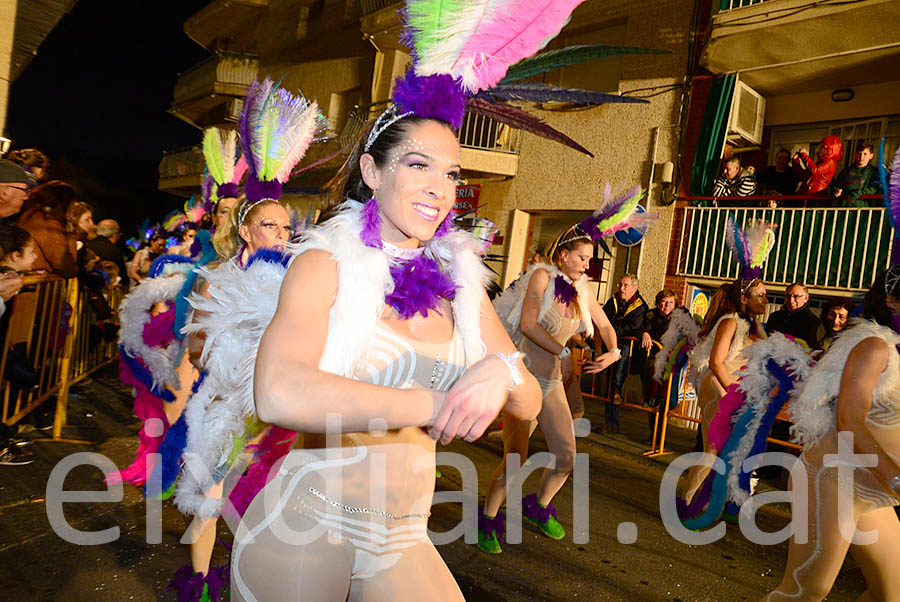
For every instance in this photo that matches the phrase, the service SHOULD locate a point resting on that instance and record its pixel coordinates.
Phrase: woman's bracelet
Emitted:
(894, 484)
(618, 353)
(564, 353)
(515, 378)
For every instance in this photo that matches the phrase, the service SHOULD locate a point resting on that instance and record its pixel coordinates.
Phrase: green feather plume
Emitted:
(570, 55)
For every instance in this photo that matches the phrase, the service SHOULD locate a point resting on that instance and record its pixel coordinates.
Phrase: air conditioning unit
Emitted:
(745, 121)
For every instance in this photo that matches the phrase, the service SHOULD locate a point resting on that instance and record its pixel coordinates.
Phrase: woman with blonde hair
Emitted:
(542, 310)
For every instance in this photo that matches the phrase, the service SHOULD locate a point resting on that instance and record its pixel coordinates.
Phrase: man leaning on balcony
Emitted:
(795, 317)
(856, 180)
(735, 182)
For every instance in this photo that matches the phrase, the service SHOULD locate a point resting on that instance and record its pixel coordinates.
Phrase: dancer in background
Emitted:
(542, 310)
(730, 326)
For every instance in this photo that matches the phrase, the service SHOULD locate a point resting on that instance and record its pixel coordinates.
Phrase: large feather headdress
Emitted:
(615, 213)
(471, 54)
(275, 129)
(224, 169)
(750, 247)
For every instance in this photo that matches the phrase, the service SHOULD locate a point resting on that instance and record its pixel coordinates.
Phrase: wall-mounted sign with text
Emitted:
(466, 198)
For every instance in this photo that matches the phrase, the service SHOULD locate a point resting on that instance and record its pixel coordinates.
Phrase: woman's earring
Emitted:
(370, 234)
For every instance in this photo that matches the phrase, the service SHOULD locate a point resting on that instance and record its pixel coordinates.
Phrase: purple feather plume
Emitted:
(419, 286)
(564, 291)
(432, 97)
(371, 224)
(893, 198)
(251, 102)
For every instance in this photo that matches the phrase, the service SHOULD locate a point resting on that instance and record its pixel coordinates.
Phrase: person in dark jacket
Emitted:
(104, 245)
(625, 311)
(795, 317)
(656, 321)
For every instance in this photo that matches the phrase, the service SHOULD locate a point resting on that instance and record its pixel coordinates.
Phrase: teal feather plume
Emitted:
(570, 55)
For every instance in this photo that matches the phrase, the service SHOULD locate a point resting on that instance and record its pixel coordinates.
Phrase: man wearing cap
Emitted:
(14, 185)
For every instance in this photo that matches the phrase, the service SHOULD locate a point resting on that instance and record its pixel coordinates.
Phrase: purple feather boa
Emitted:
(158, 332)
(699, 502)
(432, 97)
(189, 585)
(531, 509)
(564, 291)
(419, 286)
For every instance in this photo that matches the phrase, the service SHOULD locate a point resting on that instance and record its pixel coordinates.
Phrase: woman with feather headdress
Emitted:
(730, 326)
(217, 428)
(541, 311)
(850, 404)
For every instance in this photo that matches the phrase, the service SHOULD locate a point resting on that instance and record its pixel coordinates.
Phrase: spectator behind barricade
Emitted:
(14, 185)
(104, 245)
(17, 248)
(143, 259)
(656, 321)
(856, 180)
(834, 320)
(33, 161)
(779, 179)
(735, 182)
(795, 317)
(815, 176)
(625, 311)
(113, 275)
(80, 222)
(44, 216)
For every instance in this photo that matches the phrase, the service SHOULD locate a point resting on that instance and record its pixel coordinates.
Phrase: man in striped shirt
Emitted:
(734, 182)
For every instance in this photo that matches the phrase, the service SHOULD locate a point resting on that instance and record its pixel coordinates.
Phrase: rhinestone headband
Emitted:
(577, 234)
(247, 206)
(891, 279)
(388, 118)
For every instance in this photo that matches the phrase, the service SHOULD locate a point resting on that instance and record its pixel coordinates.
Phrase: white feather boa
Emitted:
(813, 409)
(134, 314)
(242, 303)
(681, 325)
(757, 384)
(509, 303)
(700, 353)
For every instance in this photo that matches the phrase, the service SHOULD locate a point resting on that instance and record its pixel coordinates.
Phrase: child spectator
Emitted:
(856, 180)
(18, 249)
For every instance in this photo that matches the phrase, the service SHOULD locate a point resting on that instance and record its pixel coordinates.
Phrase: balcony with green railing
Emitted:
(838, 250)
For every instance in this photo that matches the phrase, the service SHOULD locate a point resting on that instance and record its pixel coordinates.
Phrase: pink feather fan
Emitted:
(477, 41)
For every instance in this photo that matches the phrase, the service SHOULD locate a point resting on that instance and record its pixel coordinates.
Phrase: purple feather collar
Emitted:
(419, 283)
(564, 291)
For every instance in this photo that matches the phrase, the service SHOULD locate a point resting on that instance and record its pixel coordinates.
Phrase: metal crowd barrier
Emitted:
(48, 333)
(686, 410)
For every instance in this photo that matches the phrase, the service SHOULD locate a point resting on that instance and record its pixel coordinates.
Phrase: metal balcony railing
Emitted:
(370, 6)
(221, 68)
(839, 249)
(726, 5)
(476, 132)
(182, 162)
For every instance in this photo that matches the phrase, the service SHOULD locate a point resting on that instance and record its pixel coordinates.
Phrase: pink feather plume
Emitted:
(508, 31)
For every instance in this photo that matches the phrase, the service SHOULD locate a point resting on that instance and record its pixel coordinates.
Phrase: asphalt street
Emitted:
(37, 564)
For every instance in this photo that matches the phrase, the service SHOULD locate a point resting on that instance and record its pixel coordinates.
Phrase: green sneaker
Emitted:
(490, 532)
(542, 516)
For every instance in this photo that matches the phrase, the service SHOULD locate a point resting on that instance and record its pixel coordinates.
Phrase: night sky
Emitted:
(94, 99)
